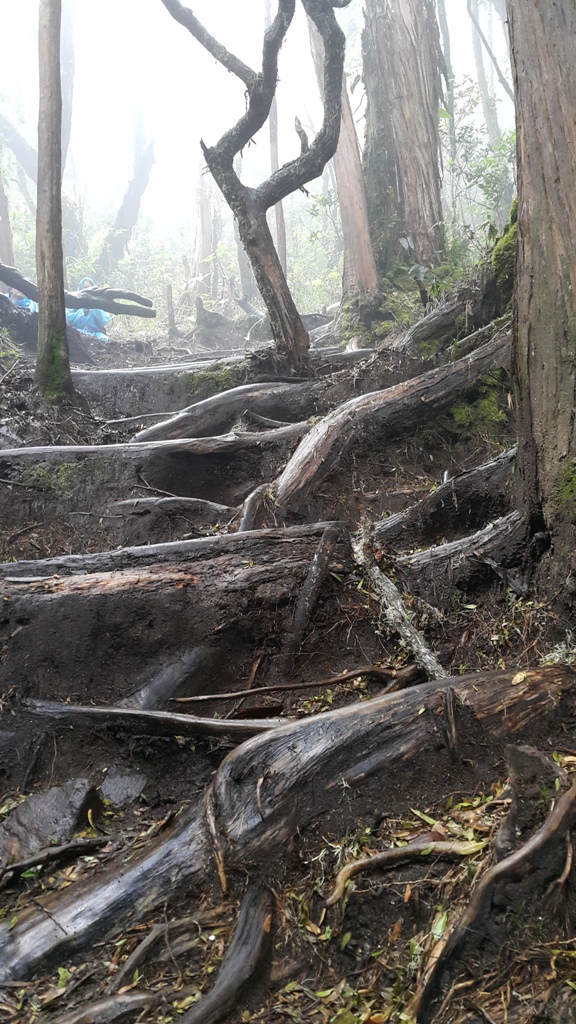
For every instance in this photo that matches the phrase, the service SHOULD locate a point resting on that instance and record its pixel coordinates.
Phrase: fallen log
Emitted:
(464, 503)
(272, 785)
(125, 609)
(396, 410)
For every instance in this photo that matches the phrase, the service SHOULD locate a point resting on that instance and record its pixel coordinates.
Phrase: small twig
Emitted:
(398, 854)
(9, 370)
(26, 529)
(145, 486)
(52, 853)
(135, 958)
(404, 676)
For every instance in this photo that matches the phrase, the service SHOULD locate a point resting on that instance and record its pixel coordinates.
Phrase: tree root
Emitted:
(515, 867)
(394, 410)
(395, 679)
(398, 855)
(466, 502)
(156, 723)
(392, 608)
(251, 942)
(497, 549)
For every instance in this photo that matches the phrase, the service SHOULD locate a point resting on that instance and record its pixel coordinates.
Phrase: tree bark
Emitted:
(401, 53)
(360, 276)
(545, 320)
(52, 361)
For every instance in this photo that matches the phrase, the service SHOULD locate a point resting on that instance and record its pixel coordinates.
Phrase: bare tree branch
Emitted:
(184, 16)
(89, 298)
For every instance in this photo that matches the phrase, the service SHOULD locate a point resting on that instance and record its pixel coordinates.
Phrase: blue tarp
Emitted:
(89, 321)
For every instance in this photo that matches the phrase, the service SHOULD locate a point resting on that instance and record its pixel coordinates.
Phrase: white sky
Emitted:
(131, 52)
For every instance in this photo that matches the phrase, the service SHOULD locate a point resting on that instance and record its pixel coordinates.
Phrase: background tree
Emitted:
(402, 60)
(542, 42)
(250, 205)
(52, 364)
(360, 276)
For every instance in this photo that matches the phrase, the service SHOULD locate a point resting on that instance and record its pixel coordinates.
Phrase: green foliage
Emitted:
(564, 502)
(479, 178)
(503, 256)
(314, 242)
(482, 414)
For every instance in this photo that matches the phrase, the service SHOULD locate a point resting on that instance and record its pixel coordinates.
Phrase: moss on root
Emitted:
(503, 257)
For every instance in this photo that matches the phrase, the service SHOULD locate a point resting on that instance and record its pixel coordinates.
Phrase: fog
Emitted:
(132, 59)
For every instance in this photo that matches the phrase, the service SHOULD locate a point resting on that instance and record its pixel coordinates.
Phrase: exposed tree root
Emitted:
(394, 678)
(157, 723)
(398, 855)
(251, 942)
(516, 867)
(499, 549)
(464, 503)
(149, 608)
(218, 414)
(399, 409)
(393, 610)
(267, 788)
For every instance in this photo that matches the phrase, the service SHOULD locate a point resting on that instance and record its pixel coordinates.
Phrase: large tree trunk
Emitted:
(402, 156)
(52, 363)
(542, 39)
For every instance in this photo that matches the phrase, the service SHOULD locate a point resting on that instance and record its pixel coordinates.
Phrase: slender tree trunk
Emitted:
(360, 276)
(287, 327)
(487, 100)
(446, 49)
(203, 249)
(275, 164)
(542, 42)
(52, 362)
(401, 52)
(247, 283)
(6, 247)
(118, 237)
(279, 208)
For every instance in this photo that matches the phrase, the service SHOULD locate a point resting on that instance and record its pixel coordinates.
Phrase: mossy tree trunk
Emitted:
(52, 362)
(542, 42)
(401, 54)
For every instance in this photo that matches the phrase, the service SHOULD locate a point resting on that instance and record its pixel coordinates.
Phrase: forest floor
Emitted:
(363, 958)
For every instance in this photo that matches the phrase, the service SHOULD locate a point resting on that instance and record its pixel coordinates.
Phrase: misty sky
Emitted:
(131, 54)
